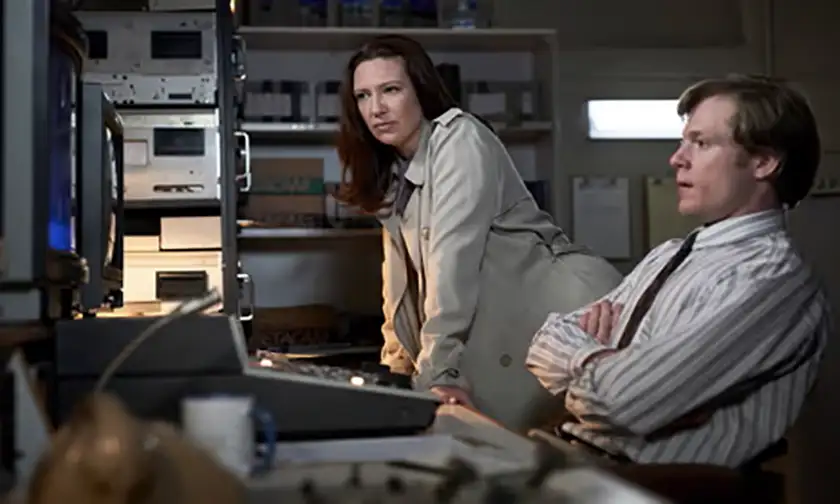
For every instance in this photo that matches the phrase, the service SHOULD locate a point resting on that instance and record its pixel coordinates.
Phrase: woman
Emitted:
(472, 267)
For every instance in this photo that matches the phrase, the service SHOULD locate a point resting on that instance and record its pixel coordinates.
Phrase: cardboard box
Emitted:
(285, 211)
(288, 176)
(295, 325)
(287, 192)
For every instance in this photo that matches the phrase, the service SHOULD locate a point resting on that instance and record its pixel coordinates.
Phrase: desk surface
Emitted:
(358, 470)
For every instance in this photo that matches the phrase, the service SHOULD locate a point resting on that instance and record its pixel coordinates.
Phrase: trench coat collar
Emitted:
(415, 172)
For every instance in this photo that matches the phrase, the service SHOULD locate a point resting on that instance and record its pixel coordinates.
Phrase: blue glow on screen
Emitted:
(60, 230)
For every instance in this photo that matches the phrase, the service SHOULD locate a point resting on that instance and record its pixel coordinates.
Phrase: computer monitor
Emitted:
(42, 48)
(66, 56)
(101, 198)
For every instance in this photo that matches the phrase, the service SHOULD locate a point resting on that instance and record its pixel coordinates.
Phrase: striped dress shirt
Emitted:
(743, 312)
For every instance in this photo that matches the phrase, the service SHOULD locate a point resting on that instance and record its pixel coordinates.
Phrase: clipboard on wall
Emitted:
(663, 221)
(601, 215)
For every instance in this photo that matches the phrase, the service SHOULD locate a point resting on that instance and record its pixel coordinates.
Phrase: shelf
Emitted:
(273, 38)
(265, 132)
(255, 233)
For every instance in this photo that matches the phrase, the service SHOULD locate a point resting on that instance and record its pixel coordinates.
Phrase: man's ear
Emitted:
(766, 165)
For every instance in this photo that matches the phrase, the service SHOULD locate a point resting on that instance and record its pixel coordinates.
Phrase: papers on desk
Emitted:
(601, 214)
(431, 451)
(374, 482)
(595, 486)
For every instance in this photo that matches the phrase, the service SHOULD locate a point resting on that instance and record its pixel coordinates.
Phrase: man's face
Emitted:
(716, 178)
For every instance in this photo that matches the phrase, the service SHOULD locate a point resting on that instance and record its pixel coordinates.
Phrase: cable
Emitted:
(185, 309)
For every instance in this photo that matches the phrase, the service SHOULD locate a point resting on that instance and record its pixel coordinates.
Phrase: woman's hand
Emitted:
(452, 395)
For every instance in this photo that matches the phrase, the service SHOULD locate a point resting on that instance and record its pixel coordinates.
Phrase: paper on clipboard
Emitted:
(601, 217)
(664, 221)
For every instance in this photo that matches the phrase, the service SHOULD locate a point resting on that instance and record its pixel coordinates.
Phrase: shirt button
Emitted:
(505, 360)
(425, 233)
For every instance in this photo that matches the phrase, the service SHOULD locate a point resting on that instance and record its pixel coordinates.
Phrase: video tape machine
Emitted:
(153, 58)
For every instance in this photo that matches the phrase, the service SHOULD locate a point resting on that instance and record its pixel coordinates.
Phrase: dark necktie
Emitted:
(647, 297)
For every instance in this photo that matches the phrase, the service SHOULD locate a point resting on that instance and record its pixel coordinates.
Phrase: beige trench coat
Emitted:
(471, 270)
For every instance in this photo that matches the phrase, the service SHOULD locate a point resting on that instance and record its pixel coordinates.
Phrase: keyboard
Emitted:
(368, 375)
(317, 401)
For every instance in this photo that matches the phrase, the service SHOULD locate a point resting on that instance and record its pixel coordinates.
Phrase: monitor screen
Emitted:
(63, 76)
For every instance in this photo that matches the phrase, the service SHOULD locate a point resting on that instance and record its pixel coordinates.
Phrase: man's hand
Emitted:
(600, 320)
(452, 395)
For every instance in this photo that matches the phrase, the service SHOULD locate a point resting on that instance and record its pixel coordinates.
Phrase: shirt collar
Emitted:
(739, 228)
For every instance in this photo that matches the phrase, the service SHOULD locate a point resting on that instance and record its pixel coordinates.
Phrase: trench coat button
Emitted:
(453, 373)
(505, 360)
(425, 233)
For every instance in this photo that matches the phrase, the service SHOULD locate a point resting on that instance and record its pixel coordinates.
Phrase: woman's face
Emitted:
(388, 103)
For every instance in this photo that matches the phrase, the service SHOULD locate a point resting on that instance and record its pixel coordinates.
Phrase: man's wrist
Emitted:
(596, 356)
(584, 356)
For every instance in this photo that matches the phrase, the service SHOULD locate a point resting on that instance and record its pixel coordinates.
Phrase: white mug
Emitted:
(224, 426)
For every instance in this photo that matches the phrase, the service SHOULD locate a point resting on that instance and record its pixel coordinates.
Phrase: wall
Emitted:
(653, 49)
(803, 50)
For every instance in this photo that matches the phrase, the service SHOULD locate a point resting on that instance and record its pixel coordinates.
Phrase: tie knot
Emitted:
(688, 243)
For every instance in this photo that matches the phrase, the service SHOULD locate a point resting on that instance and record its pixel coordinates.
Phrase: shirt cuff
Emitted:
(582, 355)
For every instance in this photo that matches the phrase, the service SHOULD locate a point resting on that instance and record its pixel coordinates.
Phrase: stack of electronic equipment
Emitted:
(160, 68)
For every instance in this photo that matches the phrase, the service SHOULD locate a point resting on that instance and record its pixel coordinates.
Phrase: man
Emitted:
(706, 351)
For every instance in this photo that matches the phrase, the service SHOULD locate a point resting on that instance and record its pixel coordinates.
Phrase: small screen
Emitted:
(187, 142)
(176, 45)
(97, 44)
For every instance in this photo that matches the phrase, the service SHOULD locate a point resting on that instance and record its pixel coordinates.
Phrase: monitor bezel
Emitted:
(96, 114)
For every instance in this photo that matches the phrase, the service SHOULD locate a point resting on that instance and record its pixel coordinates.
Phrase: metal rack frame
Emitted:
(227, 147)
(25, 49)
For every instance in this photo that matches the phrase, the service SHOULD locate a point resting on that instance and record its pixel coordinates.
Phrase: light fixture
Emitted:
(633, 120)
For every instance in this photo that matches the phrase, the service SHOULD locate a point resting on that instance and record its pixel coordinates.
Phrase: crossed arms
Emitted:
(740, 324)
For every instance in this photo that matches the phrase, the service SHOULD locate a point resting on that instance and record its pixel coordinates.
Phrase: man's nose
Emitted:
(678, 159)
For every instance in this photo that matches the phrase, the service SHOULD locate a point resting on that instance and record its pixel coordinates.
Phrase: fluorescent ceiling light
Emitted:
(634, 119)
